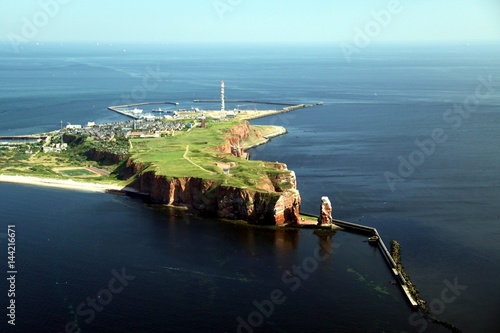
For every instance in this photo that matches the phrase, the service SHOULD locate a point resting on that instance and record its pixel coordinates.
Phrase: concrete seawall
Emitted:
(370, 231)
(129, 114)
(241, 101)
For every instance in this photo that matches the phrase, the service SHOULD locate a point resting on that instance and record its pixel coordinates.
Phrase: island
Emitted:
(195, 162)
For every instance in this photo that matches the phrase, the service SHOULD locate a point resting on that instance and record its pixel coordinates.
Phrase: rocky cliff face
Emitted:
(105, 158)
(325, 217)
(275, 202)
(210, 198)
(233, 144)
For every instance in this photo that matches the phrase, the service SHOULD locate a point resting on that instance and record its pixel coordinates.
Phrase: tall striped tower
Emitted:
(222, 97)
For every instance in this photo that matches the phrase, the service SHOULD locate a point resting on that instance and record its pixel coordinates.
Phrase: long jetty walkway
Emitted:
(370, 231)
(287, 106)
(124, 109)
(241, 101)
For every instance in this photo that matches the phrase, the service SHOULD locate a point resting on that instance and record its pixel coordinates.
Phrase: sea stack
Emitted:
(325, 216)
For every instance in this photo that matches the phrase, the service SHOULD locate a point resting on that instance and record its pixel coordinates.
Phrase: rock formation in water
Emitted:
(325, 216)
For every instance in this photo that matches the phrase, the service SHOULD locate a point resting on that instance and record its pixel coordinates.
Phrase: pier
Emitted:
(132, 115)
(241, 101)
(370, 231)
(286, 106)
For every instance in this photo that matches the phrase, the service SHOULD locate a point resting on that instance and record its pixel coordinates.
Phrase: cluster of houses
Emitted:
(126, 129)
(52, 148)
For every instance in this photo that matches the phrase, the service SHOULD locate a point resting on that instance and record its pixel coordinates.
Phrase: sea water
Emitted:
(199, 274)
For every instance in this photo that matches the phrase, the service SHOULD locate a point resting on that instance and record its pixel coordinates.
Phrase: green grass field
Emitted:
(77, 172)
(166, 156)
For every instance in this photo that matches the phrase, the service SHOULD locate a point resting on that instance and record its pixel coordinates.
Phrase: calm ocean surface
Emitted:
(196, 274)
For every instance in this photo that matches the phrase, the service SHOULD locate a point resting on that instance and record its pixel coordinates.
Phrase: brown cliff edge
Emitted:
(267, 203)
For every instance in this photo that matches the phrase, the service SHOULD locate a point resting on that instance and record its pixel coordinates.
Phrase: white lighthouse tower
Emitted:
(222, 97)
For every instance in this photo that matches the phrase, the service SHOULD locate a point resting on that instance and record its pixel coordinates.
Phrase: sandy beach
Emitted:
(67, 184)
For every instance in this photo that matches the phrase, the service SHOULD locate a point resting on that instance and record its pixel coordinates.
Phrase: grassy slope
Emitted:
(39, 164)
(165, 156)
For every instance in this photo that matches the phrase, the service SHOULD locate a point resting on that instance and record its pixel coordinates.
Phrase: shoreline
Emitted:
(67, 184)
(279, 131)
(83, 186)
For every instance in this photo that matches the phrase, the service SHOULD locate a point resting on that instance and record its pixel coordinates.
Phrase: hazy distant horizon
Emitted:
(255, 44)
(257, 21)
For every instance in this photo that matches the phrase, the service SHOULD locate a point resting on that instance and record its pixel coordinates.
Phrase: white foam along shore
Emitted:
(67, 184)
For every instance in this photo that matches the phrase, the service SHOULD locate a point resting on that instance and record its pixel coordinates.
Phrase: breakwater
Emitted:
(286, 106)
(130, 114)
(242, 101)
(372, 232)
(396, 255)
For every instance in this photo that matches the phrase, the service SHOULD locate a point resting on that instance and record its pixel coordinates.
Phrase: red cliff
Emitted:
(213, 199)
(274, 201)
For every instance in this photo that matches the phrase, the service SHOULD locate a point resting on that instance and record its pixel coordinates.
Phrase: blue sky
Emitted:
(268, 21)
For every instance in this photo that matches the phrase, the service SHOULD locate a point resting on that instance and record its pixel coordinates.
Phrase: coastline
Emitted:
(70, 184)
(67, 184)
(279, 130)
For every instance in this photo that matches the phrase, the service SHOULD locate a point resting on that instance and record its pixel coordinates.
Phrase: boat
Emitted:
(157, 110)
(373, 239)
(136, 111)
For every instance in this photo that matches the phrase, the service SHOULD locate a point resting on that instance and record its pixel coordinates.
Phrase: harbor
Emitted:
(132, 111)
(136, 113)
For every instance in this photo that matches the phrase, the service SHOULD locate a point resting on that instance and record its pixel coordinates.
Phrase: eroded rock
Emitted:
(325, 216)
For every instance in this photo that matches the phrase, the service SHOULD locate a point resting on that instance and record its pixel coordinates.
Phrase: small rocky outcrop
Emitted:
(234, 140)
(325, 216)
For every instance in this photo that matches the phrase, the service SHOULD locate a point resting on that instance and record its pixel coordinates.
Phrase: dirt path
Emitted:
(196, 165)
